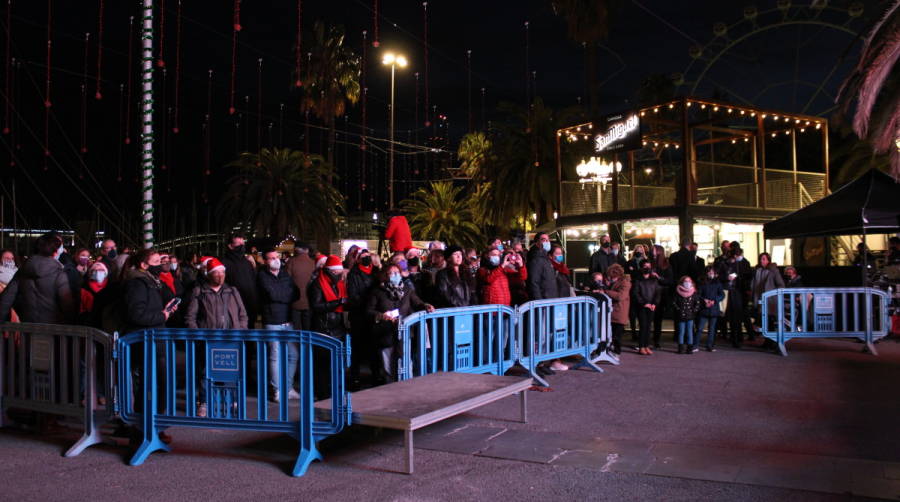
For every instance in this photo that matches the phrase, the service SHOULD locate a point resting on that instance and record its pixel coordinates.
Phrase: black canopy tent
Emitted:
(868, 205)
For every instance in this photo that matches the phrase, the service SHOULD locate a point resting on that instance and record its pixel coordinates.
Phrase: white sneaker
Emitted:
(696, 349)
(558, 366)
(293, 394)
(277, 397)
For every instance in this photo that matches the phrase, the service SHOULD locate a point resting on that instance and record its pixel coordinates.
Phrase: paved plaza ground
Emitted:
(821, 424)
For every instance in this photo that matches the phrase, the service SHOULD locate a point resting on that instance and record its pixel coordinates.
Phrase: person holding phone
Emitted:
(495, 275)
(389, 301)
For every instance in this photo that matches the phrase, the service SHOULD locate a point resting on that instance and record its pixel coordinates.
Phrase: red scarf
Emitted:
(168, 280)
(327, 290)
(365, 270)
(560, 267)
(96, 286)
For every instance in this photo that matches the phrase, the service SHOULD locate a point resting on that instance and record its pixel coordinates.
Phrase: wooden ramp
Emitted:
(412, 404)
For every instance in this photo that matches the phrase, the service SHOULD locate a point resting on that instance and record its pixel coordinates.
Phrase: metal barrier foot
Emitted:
(89, 438)
(870, 348)
(537, 379)
(585, 362)
(606, 356)
(150, 445)
(306, 457)
(782, 350)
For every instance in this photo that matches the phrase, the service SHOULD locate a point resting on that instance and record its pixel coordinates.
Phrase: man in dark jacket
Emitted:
(541, 276)
(276, 294)
(602, 258)
(214, 304)
(144, 295)
(40, 291)
(683, 262)
(301, 268)
(360, 281)
(736, 278)
(646, 295)
(241, 274)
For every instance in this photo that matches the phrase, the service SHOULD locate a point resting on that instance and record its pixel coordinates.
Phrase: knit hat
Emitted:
(99, 265)
(452, 249)
(334, 264)
(213, 264)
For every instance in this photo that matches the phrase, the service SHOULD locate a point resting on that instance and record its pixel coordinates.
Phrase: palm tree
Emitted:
(852, 157)
(442, 212)
(474, 153)
(521, 167)
(281, 191)
(875, 88)
(332, 79)
(587, 22)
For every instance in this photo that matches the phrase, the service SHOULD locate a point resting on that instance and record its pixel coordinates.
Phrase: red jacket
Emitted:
(495, 284)
(398, 233)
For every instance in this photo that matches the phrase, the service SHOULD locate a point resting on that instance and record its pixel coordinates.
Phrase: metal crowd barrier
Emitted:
(477, 339)
(604, 324)
(825, 313)
(562, 327)
(218, 358)
(51, 368)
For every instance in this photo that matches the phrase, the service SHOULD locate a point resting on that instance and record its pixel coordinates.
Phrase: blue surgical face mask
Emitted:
(395, 279)
(98, 276)
(614, 251)
(559, 258)
(495, 260)
(403, 265)
(173, 266)
(546, 246)
(500, 247)
(60, 251)
(738, 258)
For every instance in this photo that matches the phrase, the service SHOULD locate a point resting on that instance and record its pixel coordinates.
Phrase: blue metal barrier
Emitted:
(825, 313)
(477, 339)
(226, 376)
(561, 327)
(604, 325)
(52, 368)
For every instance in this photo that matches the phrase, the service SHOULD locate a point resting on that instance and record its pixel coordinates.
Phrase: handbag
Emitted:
(723, 304)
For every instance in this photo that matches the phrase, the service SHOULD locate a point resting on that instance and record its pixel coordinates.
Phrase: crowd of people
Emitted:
(360, 294)
(721, 298)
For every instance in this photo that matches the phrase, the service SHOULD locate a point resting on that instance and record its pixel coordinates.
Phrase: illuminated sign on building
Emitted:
(623, 133)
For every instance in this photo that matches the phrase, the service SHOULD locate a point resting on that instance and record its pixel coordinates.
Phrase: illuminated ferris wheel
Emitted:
(745, 61)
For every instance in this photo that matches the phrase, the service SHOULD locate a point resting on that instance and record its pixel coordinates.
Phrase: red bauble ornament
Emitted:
(84, 149)
(237, 27)
(175, 130)
(98, 96)
(376, 43)
(127, 141)
(427, 123)
(46, 153)
(161, 63)
(231, 110)
(47, 103)
(298, 83)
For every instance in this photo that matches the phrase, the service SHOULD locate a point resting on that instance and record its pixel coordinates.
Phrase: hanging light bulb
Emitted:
(703, 106)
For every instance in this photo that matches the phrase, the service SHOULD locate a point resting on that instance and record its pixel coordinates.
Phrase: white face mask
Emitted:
(687, 285)
(173, 266)
(275, 264)
(98, 276)
(9, 263)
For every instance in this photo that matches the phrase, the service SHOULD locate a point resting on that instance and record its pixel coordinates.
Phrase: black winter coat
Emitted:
(143, 296)
(645, 291)
(454, 290)
(242, 275)
(711, 290)
(359, 287)
(40, 292)
(276, 294)
(541, 276)
(324, 318)
(384, 299)
(686, 309)
(683, 263)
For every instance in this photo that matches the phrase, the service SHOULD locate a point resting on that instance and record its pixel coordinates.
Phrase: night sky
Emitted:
(795, 66)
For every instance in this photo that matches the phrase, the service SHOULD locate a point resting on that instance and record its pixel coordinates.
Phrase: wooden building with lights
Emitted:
(691, 168)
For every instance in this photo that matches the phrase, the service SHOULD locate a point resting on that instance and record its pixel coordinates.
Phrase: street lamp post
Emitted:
(394, 60)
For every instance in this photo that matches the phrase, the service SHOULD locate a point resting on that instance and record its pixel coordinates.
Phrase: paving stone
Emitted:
(465, 439)
(876, 487)
(525, 446)
(798, 479)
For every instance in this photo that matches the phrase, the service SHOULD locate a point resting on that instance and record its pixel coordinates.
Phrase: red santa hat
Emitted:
(334, 264)
(205, 259)
(212, 264)
(320, 261)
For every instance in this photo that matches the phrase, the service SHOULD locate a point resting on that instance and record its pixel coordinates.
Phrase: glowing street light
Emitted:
(394, 60)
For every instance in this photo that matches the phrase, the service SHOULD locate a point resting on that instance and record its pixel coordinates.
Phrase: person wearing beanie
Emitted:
(455, 286)
(96, 295)
(277, 292)
(328, 302)
(687, 305)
